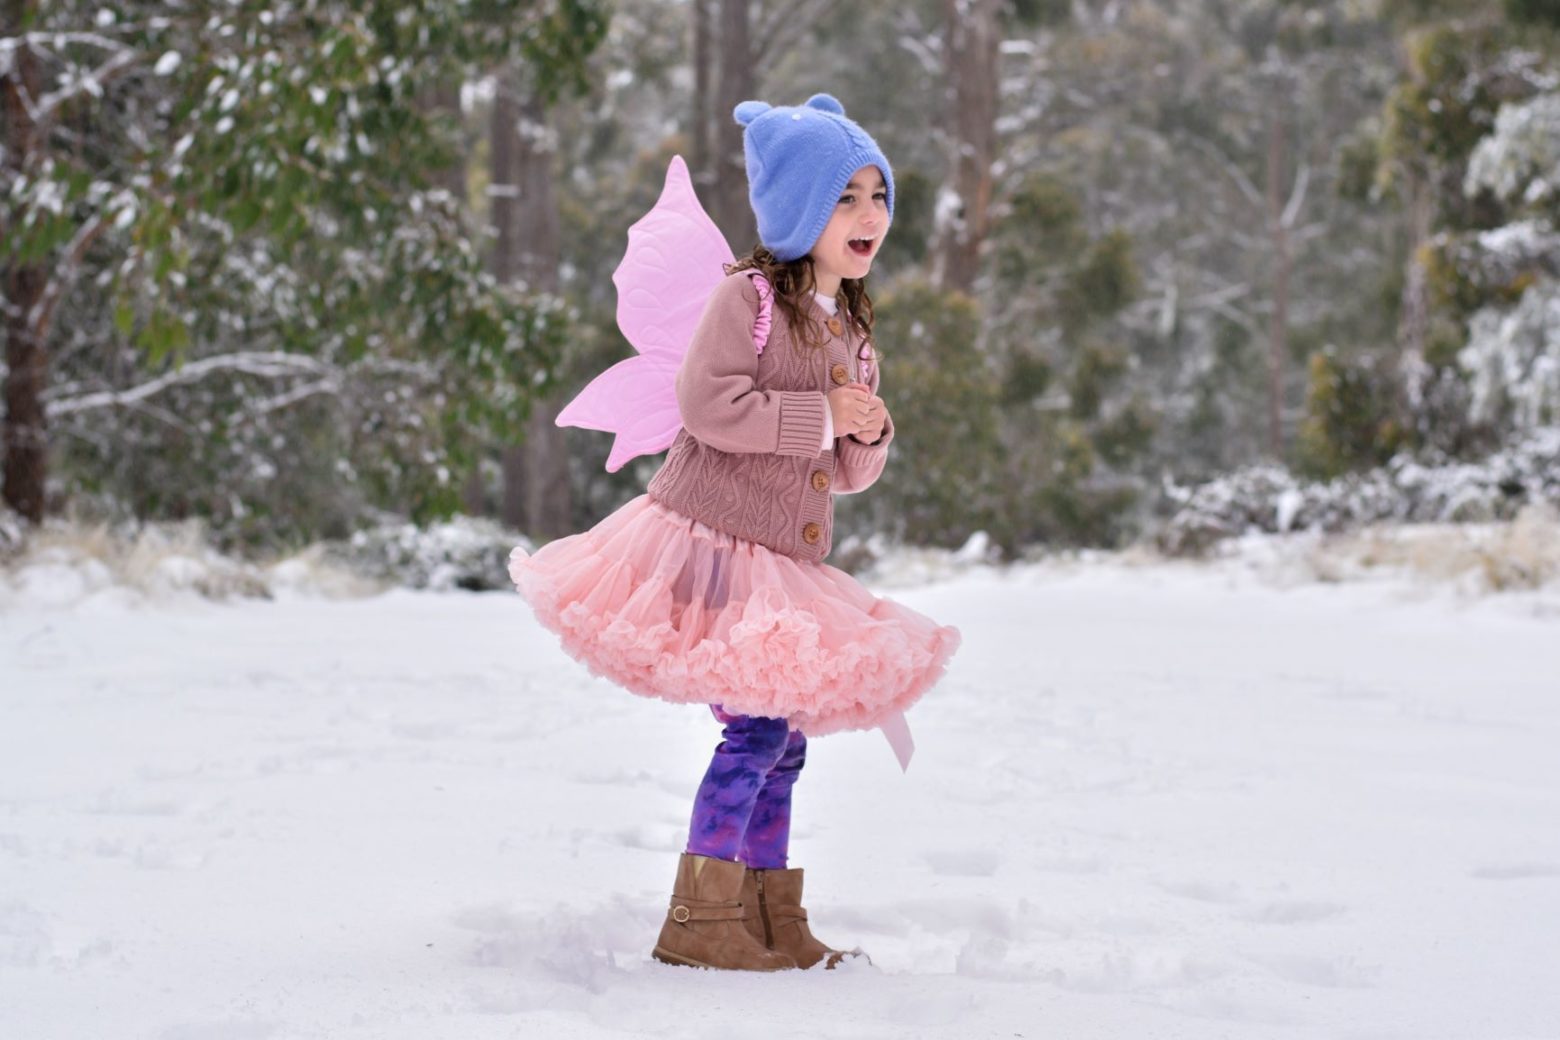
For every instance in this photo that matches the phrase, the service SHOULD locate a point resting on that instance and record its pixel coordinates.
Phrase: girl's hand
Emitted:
(877, 416)
(850, 407)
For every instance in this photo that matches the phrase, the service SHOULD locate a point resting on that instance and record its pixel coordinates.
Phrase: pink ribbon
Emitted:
(762, 322)
(897, 730)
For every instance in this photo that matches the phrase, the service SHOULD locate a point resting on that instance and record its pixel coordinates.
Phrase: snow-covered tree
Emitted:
(247, 192)
(1512, 356)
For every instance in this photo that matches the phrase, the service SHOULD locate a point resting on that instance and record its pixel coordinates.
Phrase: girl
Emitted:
(711, 588)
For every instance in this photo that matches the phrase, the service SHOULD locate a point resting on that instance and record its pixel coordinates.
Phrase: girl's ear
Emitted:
(748, 111)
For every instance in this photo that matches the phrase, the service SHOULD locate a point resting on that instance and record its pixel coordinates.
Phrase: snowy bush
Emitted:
(62, 562)
(883, 563)
(1504, 557)
(1513, 361)
(1519, 162)
(1269, 498)
(462, 553)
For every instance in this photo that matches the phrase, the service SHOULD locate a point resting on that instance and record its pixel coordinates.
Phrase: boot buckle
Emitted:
(680, 914)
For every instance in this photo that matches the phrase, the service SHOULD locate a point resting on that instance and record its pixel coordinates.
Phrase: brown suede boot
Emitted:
(773, 914)
(704, 928)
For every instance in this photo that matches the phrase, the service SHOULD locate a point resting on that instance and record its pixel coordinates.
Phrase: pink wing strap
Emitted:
(897, 729)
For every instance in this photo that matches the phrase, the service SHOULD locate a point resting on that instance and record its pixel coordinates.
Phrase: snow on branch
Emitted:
(1519, 161)
(1297, 196)
(266, 365)
(323, 378)
(86, 83)
(329, 385)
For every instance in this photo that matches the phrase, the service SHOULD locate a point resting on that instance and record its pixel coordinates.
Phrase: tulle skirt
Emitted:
(669, 607)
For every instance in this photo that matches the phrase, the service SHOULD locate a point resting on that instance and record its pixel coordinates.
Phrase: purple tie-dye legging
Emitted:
(743, 808)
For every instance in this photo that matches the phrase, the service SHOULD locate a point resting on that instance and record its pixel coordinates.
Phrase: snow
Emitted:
(1513, 360)
(1520, 158)
(1524, 475)
(1152, 799)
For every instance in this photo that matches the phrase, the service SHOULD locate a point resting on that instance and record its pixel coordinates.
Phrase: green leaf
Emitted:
(124, 318)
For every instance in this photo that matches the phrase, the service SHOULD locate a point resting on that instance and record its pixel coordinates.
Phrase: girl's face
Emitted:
(854, 234)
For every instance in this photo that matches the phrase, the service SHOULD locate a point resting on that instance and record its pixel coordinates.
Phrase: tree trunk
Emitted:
(701, 166)
(503, 204)
(443, 101)
(548, 505)
(973, 32)
(737, 83)
(1278, 325)
(26, 437)
(536, 495)
(1413, 325)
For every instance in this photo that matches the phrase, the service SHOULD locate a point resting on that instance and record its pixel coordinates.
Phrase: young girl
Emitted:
(711, 588)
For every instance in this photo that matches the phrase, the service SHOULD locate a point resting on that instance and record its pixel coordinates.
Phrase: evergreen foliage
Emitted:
(257, 188)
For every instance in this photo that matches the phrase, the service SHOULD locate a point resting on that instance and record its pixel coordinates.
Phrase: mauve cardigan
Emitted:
(747, 461)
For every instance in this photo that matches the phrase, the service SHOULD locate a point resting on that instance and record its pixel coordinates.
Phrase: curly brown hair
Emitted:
(793, 281)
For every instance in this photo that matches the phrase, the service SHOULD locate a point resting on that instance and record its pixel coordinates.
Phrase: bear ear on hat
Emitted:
(748, 111)
(826, 103)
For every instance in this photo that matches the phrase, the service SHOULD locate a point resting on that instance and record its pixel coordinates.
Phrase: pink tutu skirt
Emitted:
(669, 607)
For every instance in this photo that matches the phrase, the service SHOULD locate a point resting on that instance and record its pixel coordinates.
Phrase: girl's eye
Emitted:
(847, 199)
(881, 195)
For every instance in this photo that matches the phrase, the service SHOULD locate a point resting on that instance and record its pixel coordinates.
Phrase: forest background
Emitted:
(297, 269)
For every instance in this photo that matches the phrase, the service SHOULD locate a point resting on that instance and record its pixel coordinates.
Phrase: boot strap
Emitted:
(787, 913)
(683, 911)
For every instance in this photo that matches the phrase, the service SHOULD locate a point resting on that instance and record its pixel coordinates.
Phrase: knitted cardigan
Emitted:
(747, 460)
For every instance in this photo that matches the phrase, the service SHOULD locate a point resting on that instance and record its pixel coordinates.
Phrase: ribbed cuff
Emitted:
(857, 455)
(801, 422)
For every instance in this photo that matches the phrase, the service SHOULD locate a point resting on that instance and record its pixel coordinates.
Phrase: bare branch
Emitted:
(790, 23)
(917, 47)
(1297, 196)
(64, 275)
(1243, 182)
(1309, 232)
(1223, 295)
(913, 36)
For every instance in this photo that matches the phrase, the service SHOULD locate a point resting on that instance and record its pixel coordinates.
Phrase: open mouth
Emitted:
(861, 246)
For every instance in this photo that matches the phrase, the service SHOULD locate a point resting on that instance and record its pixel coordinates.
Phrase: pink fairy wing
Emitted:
(675, 258)
(635, 399)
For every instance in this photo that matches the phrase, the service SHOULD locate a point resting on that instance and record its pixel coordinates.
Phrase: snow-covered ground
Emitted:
(1151, 800)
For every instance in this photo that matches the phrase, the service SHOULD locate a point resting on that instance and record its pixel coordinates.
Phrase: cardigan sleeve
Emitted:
(716, 392)
(857, 466)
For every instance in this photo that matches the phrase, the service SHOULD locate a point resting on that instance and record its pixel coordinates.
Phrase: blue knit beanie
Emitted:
(799, 160)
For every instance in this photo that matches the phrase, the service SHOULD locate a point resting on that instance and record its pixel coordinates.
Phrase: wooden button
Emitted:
(811, 533)
(839, 374)
(835, 326)
(820, 480)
